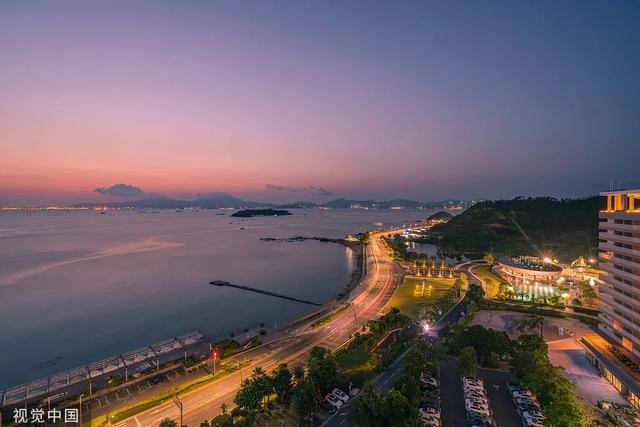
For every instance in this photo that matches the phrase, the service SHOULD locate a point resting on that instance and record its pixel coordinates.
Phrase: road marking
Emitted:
(137, 422)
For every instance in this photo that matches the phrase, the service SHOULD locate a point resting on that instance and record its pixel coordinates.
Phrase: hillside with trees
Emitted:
(562, 228)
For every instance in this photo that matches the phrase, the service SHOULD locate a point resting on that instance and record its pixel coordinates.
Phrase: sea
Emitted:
(79, 286)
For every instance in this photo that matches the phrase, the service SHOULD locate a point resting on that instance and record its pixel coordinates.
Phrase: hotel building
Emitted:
(620, 258)
(617, 351)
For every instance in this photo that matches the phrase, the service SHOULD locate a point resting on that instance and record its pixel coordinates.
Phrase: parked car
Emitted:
(532, 423)
(514, 387)
(428, 404)
(340, 394)
(522, 393)
(334, 400)
(428, 380)
(325, 405)
(476, 394)
(528, 407)
(469, 380)
(479, 421)
(533, 414)
(527, 400)
(430, 420)
(474, 415)
(473, 388)
(478, 408)
(434, 393)
(429, 411)
(479, 401)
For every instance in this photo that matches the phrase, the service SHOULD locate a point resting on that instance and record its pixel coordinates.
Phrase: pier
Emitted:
(262, 291)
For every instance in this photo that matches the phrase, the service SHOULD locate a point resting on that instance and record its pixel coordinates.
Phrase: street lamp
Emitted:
(214, 356)
(178, 403)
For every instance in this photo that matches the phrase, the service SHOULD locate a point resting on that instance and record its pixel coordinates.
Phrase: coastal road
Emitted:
(368, 301)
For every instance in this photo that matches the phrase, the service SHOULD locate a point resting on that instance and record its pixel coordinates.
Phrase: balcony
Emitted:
(606, 246)
(631, 215)
(609, 268)
(610, 225)
(617, 238)
(608, 300)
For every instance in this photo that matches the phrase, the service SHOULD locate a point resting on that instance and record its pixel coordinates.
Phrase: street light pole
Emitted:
(178, 403)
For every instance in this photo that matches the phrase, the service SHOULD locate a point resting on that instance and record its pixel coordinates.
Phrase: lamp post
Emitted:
(178, 403)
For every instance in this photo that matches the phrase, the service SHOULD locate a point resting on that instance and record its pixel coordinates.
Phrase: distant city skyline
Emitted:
(291, 101)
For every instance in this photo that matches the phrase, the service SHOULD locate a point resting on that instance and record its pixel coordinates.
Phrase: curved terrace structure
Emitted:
(522, 270)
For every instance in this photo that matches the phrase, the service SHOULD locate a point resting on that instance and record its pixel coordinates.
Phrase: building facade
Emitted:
(619, 245)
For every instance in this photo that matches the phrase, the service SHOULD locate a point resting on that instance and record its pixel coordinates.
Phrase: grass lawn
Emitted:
(411, 295)
(492, 281)
(355, 359)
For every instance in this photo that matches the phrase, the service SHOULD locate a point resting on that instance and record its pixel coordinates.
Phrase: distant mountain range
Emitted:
(224, 200)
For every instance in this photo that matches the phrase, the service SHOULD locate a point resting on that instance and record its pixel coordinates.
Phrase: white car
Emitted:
(475, 401)
(340, 394)
(429, 412)
(430, 420)
(470, 388)
(334, 400)
(479, 409)
(475, 395)
(468, 380)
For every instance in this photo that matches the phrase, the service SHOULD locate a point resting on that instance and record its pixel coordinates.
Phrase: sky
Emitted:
(314, 100)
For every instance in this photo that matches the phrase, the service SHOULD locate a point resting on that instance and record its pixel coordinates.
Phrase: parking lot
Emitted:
(134, 388)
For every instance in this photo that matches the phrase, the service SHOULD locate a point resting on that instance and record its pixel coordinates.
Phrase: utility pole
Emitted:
(178, 403)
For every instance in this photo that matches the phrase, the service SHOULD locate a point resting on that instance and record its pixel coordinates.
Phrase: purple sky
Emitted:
(424, 100)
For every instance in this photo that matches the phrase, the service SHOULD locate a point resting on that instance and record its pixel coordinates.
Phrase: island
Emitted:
(249, 213)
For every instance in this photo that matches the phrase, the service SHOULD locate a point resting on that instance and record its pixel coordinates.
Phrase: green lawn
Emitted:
(492, 281)
(355, 359)
(411, 295)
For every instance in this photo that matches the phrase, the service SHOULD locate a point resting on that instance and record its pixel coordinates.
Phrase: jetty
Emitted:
(262, 291)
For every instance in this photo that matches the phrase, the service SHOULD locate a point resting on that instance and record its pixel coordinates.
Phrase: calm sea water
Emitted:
(76, 287)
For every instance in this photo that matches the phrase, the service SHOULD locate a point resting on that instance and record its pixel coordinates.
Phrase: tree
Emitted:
(281, 381)
(370, 409)
(322, 369)
(475, 293)
(536, 322)
(532, 343)
(261, 383)
(248, 396)
(398, 409)
(168, 422)
(223, 420)
(305, 399)
(298, 373)
(468, 362)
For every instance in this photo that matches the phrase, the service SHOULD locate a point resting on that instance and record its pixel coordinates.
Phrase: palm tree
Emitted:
(536, 322)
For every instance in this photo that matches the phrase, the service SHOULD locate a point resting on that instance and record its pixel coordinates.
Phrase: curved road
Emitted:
(368, 300)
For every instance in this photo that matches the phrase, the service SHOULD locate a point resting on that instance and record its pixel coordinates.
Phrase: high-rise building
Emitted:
(620, 258)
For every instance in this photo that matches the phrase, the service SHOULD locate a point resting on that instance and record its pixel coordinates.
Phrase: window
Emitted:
(633, 399)
(612, 379)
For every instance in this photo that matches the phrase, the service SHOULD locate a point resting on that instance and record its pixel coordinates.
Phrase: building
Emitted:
(526, 269)
(617, 352)
(620, 258)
